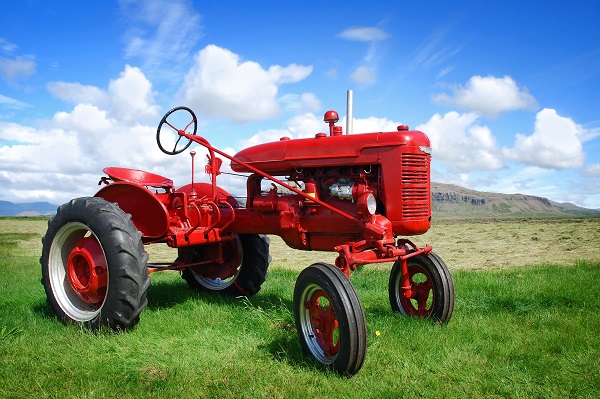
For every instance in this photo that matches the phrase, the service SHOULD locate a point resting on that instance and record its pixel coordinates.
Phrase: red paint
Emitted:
(328, 207)
(87, 270)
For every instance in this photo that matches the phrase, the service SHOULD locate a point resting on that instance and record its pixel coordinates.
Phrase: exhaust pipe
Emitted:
(349, 118)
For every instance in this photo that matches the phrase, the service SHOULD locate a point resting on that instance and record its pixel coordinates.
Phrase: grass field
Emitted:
(526, 325)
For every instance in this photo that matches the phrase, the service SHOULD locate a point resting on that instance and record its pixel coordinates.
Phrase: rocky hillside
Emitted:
(447, 201)
(454, 201)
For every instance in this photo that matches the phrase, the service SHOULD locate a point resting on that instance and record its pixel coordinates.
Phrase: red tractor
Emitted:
(353, 194)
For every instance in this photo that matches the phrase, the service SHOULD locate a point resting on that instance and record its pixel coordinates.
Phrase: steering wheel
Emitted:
(174, 134)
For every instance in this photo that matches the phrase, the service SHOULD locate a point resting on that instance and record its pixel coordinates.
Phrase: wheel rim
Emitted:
(319, 324)
(78, 271)
(420, 303)
(219, 277)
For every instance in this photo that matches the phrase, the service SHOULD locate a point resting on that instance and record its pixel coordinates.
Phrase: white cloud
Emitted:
(433, 52)
(309, 124)
(363, 34)
(162, 33)
(78, 93)
(301, 103)
(132, 98)
(460, 143)
(311, 101)
(332, 73)
(265, 136)
(129, 98)
(363, 75)
(15, 69)
(555, 143)
(290, 74)
(11, 103)
(13, 132)
(489, 96)
(63, 157)
(6, 46)
(221, 85)
(371, 124)
(592, 170)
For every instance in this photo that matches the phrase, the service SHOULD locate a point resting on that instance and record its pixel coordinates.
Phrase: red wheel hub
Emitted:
(324, 322)
(87, 270)
(230, 253)
(420, 293)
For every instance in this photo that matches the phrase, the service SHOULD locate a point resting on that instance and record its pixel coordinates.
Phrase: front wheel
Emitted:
(330, 318)
(432, 288)
(94, 265)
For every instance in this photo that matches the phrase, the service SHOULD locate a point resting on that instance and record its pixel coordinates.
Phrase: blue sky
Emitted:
(508, 92)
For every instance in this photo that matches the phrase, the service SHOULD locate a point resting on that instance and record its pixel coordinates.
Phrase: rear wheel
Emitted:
(330, 318)
(242, 272)
(94, 265)
(432, 288)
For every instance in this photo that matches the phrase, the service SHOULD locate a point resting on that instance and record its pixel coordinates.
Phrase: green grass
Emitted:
(519, 333)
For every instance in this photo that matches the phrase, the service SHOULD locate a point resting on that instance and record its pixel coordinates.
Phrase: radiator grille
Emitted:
(415, 186)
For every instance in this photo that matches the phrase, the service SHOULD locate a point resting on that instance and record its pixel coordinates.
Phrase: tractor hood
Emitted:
(323, 150)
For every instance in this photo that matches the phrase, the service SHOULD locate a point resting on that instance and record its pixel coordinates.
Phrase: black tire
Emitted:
(246, 276)
(330, 319)
(432, 289)
(87, 239)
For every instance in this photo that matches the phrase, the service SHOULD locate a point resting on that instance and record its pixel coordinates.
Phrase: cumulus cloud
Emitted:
(221, 85)
(459, 142)
(371, 124)
(129, 98)
(308, 124)
(76, 93)
(555, 143)
(67, 153)
(363, 34)
(132, 98)
(489, 96)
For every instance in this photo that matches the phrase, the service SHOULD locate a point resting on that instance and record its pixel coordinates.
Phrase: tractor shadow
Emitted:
(269, 309)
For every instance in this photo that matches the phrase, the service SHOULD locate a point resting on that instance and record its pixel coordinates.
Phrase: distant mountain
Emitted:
(27, 209)
(448, 200)
(454, 201)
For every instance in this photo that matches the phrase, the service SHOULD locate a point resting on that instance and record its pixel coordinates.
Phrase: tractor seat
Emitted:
(139, 177)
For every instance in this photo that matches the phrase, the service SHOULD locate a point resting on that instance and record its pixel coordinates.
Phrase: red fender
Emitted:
(149, 214)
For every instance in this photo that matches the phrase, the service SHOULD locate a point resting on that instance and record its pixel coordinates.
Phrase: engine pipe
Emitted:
(204, 142)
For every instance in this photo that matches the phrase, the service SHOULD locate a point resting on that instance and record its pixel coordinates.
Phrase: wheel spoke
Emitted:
(172, 127)
(177, 142)
(431, 288)
(324, 322)
(188, 125)
(421, 294)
